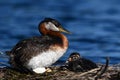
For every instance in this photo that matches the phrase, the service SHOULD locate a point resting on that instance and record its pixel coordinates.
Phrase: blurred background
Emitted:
(95, 25)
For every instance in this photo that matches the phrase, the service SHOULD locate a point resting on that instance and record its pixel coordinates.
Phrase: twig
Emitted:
(103, 69)
(99, 72)
(93, 70)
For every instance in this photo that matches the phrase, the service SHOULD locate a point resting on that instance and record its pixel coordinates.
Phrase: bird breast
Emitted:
(46, 58)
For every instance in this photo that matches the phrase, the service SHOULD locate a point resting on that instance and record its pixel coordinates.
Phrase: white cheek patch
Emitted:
(51, 26)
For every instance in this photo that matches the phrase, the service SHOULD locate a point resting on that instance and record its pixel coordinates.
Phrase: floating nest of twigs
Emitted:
(103, 72)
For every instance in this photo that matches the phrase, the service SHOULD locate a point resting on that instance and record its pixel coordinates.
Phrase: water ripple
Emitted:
(95, 28)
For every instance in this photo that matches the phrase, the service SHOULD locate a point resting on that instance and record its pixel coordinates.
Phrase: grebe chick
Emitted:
(37, 53)
(78, 64)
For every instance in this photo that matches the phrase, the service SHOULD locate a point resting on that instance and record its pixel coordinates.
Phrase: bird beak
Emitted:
(61, 29)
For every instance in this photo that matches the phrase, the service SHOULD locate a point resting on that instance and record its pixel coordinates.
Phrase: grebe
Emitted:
(37, 53)
(77, 63)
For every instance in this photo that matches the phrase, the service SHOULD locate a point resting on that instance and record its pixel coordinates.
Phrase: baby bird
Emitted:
(78, 64)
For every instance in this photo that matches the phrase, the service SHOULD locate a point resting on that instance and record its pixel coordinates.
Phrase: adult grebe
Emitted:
(37, 53)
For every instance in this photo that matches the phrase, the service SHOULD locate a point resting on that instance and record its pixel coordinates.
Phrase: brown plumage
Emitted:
(30, 54)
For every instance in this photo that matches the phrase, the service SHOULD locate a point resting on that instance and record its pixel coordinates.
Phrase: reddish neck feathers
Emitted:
(44, 31)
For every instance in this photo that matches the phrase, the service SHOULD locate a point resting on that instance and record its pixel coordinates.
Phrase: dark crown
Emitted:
(55, 22)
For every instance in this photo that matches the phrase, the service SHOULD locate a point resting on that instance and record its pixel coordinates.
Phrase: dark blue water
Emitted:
(95, 25)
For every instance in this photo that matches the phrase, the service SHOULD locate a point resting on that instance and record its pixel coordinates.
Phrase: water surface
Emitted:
(95, 25)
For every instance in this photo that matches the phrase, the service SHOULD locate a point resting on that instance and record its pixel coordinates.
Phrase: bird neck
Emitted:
(63, 40)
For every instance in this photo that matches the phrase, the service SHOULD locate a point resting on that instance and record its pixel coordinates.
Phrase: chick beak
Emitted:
(61, 29)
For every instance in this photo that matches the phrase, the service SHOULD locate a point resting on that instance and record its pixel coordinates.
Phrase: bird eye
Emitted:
(75, 58)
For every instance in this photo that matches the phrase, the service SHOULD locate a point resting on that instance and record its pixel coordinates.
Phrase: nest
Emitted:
(103, 72)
